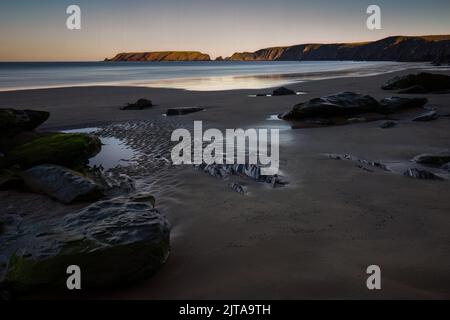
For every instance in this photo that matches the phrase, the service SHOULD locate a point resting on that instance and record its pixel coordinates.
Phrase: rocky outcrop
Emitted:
(60, 183)
(396, 48)
(138, 105)
(341, 104)
(14, 121)
(113, 242)
(70, 150)
(419, 83)
(182, 111)
(160, 56)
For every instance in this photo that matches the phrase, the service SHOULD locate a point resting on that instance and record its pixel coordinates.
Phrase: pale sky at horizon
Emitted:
(36, 31)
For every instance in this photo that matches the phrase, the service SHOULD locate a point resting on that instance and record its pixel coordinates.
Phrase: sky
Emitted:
(33, 30)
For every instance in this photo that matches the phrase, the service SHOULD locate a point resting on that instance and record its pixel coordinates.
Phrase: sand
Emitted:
(313, 238)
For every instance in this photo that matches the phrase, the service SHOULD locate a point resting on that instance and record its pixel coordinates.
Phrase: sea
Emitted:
(197, 76)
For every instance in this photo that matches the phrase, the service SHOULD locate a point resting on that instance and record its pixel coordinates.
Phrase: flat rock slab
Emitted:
(60, 183)
(433, 159)
(183, 111)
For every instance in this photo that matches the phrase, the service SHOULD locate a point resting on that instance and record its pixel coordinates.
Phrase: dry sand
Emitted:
(313, 238)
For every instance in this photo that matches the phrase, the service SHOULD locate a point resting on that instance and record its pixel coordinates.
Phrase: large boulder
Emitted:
(138, 105)
(69, 150)
(341, 104)
(14, 121)
(61, 183)
(114, 242)
(433, 159)
(419, 83)
(396, 104)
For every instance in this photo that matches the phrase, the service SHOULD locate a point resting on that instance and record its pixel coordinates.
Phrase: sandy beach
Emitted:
(312, 238)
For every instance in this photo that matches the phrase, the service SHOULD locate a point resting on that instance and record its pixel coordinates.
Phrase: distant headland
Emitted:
(161, 56)
(433, 48)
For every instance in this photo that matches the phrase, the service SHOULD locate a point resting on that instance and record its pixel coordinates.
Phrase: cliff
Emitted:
(396, 48)
(161, 56)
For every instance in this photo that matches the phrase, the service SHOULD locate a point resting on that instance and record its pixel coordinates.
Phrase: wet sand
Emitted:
(313, 238)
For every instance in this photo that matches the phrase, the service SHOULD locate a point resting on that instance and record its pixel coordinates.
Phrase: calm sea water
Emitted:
(183, 75)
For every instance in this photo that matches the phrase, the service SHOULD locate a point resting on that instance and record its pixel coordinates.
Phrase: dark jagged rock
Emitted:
(363, 162)
(238, 188)
(252, 171)
(182, 111)
(138, 105)
(396, 104)
(421, 174)
(114, 242)
(14, 121)
(341, 104)
(427, 116)
(61, 183)
(283, 92)
(433, 159)
(419, 83)
(69, 150)
(446, 167)
(388, 124)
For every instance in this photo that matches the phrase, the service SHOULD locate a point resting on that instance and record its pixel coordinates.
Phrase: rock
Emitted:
(14, 121)
(283, 92)
(396, 104)
(427, 116)
(419, 83)
(421, 174)
(238, 188)
(433, 159)
(446, 167)
(138, 105)
(61, 183)
(341, 104)
(182, 111)
(414, 89)
(357, 120)
(388, 124)
(69, 150)
(10, 179)
(114, 242)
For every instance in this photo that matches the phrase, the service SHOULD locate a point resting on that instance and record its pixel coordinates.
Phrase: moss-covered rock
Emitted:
(113, 242)
(14, 121)
(70, 150)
